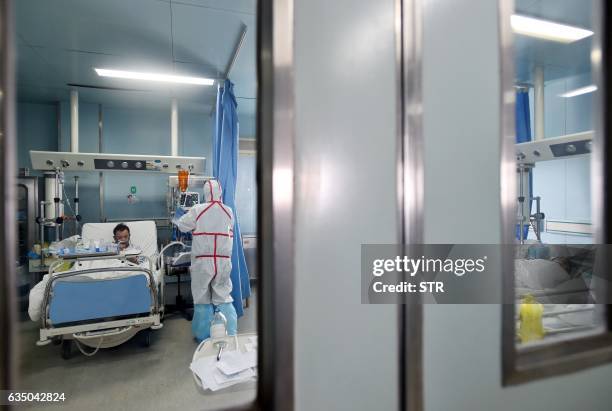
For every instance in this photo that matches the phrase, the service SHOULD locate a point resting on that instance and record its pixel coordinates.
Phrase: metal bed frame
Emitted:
(153, 320)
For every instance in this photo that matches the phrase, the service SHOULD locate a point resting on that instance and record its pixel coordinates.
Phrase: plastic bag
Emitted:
(229, 312)
(203, 315)
(530, 316)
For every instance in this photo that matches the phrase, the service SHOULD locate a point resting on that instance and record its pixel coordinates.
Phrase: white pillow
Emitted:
(143, 234)
(539, 274)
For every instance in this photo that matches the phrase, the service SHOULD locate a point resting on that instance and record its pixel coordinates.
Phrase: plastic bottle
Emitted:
(218, 326)
(530, 317)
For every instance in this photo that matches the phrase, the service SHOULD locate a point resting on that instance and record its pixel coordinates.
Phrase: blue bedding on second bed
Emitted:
(74, 301)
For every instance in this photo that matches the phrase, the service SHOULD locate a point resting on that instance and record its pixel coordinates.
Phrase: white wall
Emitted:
(346, 353)
(36, 130)
(564, 185)
(565, 188)
(462, 345)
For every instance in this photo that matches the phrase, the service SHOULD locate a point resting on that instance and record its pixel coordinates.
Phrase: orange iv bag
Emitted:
(183, 180)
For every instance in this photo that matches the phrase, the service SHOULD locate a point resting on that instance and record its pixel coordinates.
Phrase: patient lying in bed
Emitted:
(554, 268)
(37, 293)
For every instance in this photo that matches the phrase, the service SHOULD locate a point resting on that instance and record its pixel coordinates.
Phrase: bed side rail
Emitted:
(53, 276)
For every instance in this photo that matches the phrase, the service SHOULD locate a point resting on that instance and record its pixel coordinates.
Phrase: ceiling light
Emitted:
(579, 91)
(547, 30)
(166, 78)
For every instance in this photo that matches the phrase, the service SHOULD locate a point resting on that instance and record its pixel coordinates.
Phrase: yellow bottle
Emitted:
(530, 317)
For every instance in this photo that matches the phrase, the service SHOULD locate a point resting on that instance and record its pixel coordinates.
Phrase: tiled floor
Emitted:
(128, 377)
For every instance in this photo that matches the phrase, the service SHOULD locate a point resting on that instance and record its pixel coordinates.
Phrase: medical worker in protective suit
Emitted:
(211, 225)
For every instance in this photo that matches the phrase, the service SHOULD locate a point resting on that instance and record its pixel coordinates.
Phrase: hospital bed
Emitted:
(103, 301)
(566, 291)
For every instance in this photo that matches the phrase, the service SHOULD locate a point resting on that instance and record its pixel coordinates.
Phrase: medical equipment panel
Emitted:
(52, 160)
(554, 148)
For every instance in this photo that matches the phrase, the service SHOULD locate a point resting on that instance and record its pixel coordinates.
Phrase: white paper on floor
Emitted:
(233, 362)
(245, 375)
(233, 368)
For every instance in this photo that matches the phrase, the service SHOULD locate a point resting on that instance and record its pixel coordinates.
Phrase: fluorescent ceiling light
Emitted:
(579, 91)
(547, 30)
(166, 78)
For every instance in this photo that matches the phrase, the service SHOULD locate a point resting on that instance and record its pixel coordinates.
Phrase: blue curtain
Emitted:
(225, 169)
(523, 135)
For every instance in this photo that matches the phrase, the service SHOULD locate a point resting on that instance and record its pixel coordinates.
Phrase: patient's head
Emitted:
(121, 233)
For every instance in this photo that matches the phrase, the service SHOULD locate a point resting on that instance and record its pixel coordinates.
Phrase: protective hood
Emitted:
(212, 191)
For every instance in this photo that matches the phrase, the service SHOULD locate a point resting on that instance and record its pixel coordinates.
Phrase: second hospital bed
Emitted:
(563, 282)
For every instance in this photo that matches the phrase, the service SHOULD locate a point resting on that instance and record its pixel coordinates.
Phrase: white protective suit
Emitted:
(211, 224)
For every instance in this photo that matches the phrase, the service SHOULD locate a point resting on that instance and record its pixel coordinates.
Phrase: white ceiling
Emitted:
(559, 60)
(59, 42)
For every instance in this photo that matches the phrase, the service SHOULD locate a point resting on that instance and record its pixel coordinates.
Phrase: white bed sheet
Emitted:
(37, 293)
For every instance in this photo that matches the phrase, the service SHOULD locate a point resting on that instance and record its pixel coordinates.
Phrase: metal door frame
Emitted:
(8, 270)
(410, 191)
(523, 365)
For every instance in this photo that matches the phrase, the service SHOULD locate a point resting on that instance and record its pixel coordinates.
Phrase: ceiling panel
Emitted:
(239, 6)
(559, 60)
(32, 69)
(522, 5)
(572, 12)
(61, 41)
(138, 28)
(205, 36)
(65, 67)
(78, 67)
